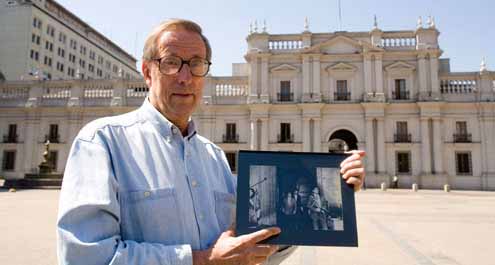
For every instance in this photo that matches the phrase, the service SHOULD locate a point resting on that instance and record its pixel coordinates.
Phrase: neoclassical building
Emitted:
(387, 92)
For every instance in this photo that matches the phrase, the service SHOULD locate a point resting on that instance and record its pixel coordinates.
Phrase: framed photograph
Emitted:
(302, 193)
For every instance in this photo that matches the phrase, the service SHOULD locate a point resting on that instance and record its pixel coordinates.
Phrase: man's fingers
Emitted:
(354, 172)
(354, 181)
(356, 154)
(350, 165)
(264, 250)
(255, 237)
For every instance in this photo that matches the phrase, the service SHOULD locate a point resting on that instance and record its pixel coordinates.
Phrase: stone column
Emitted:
(316, 77)
(306, 136)
(306, 77)
(425, 146)
(438, 143)
(317, 135)
(422, 74)
(32, 141)
(382, 159)
(264, 77)
(264, 134)
(379, 74)
(435, 83)
(253, 134)
(370, 148)
(254, 78)
(367, 74)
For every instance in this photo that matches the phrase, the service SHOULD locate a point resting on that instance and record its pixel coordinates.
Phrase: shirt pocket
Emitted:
(151, 216)
(224, 209)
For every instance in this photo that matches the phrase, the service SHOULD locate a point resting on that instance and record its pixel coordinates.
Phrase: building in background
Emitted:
(387, 92)
(41, 39)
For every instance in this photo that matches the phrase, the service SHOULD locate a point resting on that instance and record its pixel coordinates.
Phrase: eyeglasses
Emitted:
(171, 65)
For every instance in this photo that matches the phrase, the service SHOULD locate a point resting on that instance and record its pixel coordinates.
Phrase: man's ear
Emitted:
(146, 73)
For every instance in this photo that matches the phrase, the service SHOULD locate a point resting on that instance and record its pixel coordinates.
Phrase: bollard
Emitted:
(446, 188)
(384, 186)
(415, 187)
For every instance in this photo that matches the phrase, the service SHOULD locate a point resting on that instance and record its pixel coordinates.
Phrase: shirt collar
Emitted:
(164, 126)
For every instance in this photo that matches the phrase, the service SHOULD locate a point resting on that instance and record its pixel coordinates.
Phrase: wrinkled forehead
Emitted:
(181, 42)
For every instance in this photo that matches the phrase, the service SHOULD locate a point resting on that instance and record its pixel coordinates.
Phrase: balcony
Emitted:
(462, 138)
(285, 138)
(229, 138)
(402, 138)
(54, 139)
(285, 97)
(401, 95)
(10, 138)
(342, 96)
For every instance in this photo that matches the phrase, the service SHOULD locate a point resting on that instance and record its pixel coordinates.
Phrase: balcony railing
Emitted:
(284, 97)
(462, 137)
(285, 138)
(402, 138)
(228, 138)
(10, 138)
(402, 95)
(342, 96)
(52, 138)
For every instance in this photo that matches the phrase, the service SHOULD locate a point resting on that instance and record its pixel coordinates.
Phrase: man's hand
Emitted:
(352, 169)
(229, 249)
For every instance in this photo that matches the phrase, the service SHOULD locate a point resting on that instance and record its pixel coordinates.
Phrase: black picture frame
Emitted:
(320, 209)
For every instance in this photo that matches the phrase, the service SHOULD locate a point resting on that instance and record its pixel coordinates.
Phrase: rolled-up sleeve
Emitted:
(88, 224)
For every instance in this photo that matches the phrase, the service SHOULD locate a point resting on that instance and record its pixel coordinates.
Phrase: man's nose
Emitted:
(184, 76)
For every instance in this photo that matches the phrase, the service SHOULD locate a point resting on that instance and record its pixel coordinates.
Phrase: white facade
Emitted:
(41, 38)
(385, 92)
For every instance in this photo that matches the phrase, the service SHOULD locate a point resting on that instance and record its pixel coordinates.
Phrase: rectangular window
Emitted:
(8, 163)
(402, 127)
(463, 163)
(115, 69)
(400, 91)
(461, 134)
(11, 137)
(342, 92)
(403, 162)
(285, 135)
(53, 134)
(99, 72)
(230, 133)
(231, 158)
(285, 94)
(91, 68)
(108, 65)
(461, 127)
(50, 30)
(100, 59)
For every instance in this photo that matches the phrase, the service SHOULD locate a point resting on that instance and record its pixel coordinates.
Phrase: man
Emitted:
(144, 187)
(316, 211)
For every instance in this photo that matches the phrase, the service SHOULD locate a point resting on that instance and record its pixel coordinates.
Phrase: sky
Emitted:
(467, 32)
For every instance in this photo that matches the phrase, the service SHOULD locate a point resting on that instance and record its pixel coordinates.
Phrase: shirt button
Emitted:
(194, 183)
(147, 194)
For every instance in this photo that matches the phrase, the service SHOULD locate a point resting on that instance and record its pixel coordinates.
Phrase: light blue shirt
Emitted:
(135, 191)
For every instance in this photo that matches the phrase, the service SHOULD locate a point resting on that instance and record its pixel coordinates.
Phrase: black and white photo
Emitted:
(301, 193)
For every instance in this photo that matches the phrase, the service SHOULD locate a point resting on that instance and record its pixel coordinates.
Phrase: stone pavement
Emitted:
(394, 227)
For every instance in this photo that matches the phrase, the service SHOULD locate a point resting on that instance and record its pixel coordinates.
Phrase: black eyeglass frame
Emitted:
(159, 60)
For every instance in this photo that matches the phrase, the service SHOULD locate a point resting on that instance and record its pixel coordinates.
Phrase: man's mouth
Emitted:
(182, 94)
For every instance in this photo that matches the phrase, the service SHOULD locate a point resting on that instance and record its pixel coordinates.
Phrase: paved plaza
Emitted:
(395, 227)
